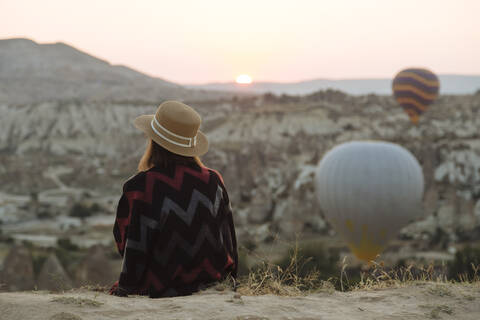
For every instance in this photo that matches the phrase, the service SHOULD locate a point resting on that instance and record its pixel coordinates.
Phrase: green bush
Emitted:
(466, 265)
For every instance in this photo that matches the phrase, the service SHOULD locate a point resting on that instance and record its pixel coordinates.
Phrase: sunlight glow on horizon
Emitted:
(244, 79)
(191, 42)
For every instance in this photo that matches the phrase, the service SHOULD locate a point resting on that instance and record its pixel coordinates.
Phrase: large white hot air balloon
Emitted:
(368, 191)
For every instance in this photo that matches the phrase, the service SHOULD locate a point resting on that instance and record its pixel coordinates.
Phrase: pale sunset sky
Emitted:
(270, 40)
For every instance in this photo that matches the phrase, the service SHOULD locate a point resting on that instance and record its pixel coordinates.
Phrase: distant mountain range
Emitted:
(449, 84)
(32, 72)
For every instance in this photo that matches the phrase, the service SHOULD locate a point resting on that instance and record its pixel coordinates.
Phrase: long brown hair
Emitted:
(155, 155)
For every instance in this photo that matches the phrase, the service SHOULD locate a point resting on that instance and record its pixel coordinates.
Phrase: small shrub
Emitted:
(303, 269)
(313, 258)
(43, 214)
(250, 244)
(67, 244)
(95, 208)
(440, 239)
(79, 210)
(268, 278)
(466, 265)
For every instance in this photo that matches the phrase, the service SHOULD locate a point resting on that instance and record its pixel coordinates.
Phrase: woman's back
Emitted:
(175, 231)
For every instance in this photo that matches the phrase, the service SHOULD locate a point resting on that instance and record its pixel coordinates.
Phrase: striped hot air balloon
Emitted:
(415, 89)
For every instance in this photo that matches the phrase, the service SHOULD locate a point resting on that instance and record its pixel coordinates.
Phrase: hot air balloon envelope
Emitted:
(368, 191)
(415, 89)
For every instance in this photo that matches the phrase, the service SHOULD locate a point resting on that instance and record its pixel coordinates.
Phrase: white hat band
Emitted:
(191, 141)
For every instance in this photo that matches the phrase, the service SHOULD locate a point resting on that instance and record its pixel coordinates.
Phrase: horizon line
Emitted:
(219, 82)
(312, 79)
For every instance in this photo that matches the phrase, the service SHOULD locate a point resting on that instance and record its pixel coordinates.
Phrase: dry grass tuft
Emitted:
(269, 278)
(379, 277)
(475, 274)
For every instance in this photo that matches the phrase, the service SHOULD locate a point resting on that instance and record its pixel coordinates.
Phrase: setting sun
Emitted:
(244, 79)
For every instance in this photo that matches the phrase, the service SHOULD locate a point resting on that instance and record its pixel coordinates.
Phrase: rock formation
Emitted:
(265, 147)
(17, 273)
(96, 269)
(53, 276)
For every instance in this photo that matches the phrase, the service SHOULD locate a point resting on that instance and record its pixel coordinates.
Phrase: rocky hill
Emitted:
(32, 73)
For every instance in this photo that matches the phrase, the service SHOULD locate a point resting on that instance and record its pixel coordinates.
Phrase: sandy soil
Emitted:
(417, 301)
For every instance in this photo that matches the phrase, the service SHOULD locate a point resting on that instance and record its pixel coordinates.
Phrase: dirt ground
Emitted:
(414, 301)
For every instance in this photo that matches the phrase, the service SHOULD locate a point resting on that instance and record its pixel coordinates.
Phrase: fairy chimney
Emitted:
(17, 274)
(53, 276)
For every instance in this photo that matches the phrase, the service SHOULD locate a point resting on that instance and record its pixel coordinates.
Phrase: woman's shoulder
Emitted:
(135, 182)
(138, 180)
(216, 174)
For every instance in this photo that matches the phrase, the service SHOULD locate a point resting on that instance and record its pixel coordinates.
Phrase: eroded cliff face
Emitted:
(266, 148)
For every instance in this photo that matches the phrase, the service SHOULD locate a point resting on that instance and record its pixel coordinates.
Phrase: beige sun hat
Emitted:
(175, 127)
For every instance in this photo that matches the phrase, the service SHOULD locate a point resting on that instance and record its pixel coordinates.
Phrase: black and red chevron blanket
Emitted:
(175, 232)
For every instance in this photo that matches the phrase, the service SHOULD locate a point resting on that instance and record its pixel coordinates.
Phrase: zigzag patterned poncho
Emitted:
(175, 232)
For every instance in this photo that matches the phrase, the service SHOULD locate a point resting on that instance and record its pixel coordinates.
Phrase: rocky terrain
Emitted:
(58, 157)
